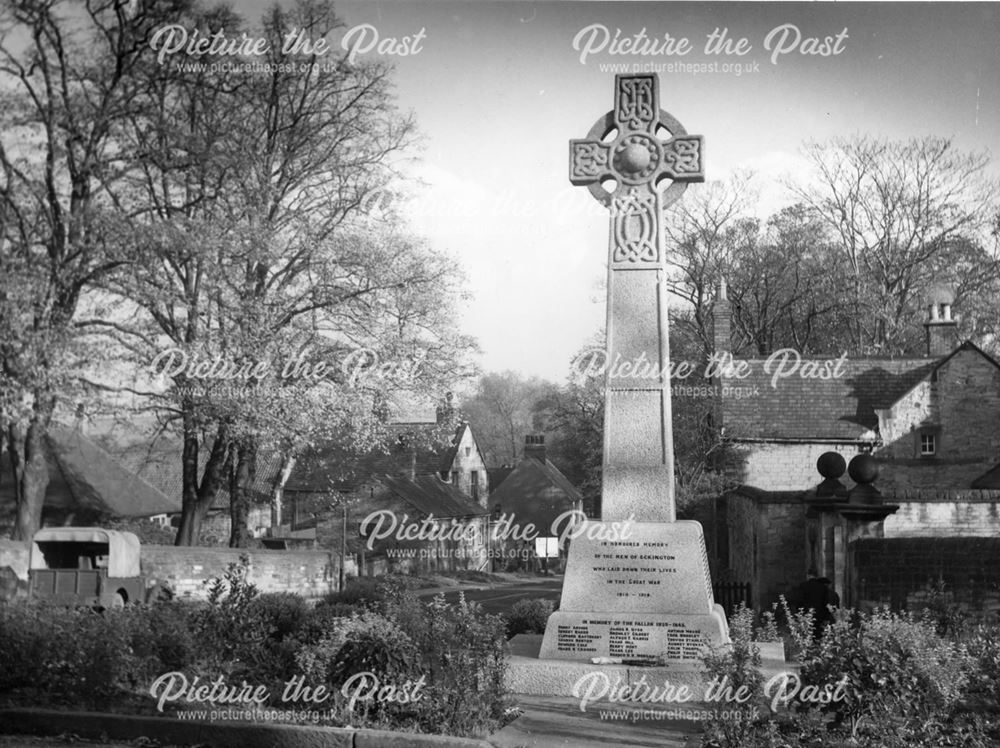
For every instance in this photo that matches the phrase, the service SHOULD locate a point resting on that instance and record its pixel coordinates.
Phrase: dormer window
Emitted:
(928, 445)
(927, 442)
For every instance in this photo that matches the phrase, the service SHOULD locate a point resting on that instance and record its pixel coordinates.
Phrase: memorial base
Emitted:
(639, 592)
(530, 675)
(640, 638)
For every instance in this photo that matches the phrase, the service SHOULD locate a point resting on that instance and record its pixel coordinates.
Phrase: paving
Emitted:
(550, 721)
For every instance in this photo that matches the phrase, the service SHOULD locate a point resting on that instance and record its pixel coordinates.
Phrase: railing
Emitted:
(730, 594)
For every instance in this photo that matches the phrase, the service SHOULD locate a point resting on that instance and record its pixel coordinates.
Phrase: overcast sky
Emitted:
(499, 88)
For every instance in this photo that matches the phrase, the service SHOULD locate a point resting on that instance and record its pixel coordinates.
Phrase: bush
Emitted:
(283, 613)
(78, 656)
(368, 592)
(894, 664)
(735, 724)
(528, 617)
(983, 685)
(173, 644)
(462, 656)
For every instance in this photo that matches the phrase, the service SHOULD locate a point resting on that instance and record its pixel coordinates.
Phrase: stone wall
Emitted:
(932, 513)
(766, 543)
(467, 464)
(782, 467)
(186, 569)
(898, 571)
(13, 569)
(960, 406)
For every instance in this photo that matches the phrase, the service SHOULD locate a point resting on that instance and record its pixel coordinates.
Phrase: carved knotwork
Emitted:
(636, 156)
(588, 160)
(636, 107)
(682, 157)
(635, 226)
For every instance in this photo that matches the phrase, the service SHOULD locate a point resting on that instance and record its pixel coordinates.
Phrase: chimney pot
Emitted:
(534, 446)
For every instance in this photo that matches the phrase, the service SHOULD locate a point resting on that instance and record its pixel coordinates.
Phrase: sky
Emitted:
(499, 88)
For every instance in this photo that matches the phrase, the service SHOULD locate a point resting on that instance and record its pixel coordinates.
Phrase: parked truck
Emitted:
(85, 566)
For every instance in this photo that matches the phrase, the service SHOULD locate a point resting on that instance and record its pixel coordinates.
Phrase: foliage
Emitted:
(371, 592)
(230, 630)
(74, 656)
(454, 651)
(501, 412)
(983, 645)
(528, 617)
(736, 666)
(462, 656)
(892, 663)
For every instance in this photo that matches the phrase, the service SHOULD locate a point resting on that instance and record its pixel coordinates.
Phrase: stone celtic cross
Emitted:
(641, 148)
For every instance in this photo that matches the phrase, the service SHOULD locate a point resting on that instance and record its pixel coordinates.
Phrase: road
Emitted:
(499, 598)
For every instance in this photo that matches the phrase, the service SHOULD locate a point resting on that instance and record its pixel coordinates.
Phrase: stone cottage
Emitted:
(929, 430)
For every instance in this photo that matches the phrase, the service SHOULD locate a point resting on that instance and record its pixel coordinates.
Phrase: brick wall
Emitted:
(897, 571)
(185, 569)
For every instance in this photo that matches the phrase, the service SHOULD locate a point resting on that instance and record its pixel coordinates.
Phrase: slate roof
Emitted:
(159, 464)
(85, 478)
(331, 466)
(430, 495)
(988, 480)
(498, 475)
(808, 409)
(535, 492)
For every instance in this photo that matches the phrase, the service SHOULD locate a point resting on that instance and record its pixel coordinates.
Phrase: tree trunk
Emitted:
(30, 467)
(241, 478)
(31, 475)
(197, 499)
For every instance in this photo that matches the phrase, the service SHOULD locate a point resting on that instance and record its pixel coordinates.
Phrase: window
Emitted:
(468, 451)
(928, 445)
(454, 477)
(475, 484)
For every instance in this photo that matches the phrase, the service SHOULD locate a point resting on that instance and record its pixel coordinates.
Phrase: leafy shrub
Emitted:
(894, 664)
(983, 686)
(173, 643)
(462, 656)
(232, 633)
(283, 613)
(79, 656)
(370, 592)
(737, 666)
(528, 617)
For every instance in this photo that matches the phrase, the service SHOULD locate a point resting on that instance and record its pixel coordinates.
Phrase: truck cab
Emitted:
(85, 566)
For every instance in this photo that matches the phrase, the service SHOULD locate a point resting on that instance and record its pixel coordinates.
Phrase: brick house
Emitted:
(931, 423)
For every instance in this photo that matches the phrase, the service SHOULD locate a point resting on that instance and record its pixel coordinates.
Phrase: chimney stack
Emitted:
(941, 327)
(722, 312)
(534, 446)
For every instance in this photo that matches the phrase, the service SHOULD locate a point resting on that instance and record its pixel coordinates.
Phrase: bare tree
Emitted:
(68, 71)
(894, 208)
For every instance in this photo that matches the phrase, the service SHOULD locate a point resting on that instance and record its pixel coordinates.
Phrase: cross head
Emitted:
(638, 160)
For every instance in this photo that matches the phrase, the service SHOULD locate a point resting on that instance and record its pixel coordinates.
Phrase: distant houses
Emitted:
(426, 502)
